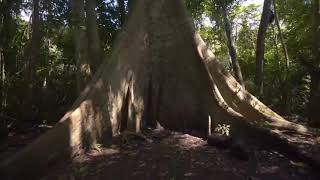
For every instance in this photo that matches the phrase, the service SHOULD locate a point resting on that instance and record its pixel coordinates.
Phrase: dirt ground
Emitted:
(169, 155)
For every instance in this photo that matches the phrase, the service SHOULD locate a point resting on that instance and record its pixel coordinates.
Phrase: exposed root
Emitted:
(240, 100)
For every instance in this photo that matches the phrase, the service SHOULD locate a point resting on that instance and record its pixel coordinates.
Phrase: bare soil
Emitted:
(163, 154)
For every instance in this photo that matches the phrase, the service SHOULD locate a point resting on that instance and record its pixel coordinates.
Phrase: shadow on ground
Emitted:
(170, 155)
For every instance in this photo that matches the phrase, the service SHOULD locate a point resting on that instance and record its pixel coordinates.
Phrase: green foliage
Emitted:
(56, 73)
(108, 22)
(286, 91)
(223, 129)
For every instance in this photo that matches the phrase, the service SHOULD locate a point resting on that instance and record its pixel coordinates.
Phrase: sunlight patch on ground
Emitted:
(185, 141)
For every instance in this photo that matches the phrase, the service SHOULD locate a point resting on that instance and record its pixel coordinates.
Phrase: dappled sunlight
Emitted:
(115, 104)
(86, 122)
(75, 129)
(137, 111)
(186, 141)
(103, 151)
(179, 156)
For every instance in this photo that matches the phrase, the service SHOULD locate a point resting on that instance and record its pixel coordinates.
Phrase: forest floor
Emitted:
(170, 155)
(162, 154)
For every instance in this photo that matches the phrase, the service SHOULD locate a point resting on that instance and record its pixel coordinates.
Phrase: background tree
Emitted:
(34, 61)
(94, 48)
(260, 49)
(223, 6)
(284, 46)
(81, 44)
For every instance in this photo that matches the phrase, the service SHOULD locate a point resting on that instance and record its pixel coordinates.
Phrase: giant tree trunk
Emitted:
(81, 44)
(231, 46)
(122, 11)
(160, 71)
(93, 36)
(131, 5)
(314, 101)
(264, 22)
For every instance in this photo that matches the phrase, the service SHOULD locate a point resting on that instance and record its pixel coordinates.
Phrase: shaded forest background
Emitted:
(40, 70)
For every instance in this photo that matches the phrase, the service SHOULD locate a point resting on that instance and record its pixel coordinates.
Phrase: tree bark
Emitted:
(122, 11)
(81, 44)
(5, 38)
(34, 61)
(275, 41)
(264, 22)
(160, 71)
(231, 46)
(314, 100)
(234, 96)
(130, 5)
(2, 78)
(94, 48)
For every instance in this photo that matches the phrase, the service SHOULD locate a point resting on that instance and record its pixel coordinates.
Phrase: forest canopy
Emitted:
(287, 90)
(111, 66)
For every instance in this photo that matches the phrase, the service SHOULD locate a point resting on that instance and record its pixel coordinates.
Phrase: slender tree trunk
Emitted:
(287, 60)
(81, 44)
(231, 46)
(122, 11)
(35, 40)
(5, 38)
(45, 103)
(316, 32)
(275, 41)
(34, 60)
(314, 100)
(284, 46)
(264, 22)
(2, 76)
(283, 79)
(2, 73)
(93, 36)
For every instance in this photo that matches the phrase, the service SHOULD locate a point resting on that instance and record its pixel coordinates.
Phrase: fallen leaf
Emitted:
(188, 174)
(299, 164)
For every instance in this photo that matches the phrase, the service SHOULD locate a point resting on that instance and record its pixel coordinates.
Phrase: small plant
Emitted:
(223, 129)
(97, 147)
(78, 172)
